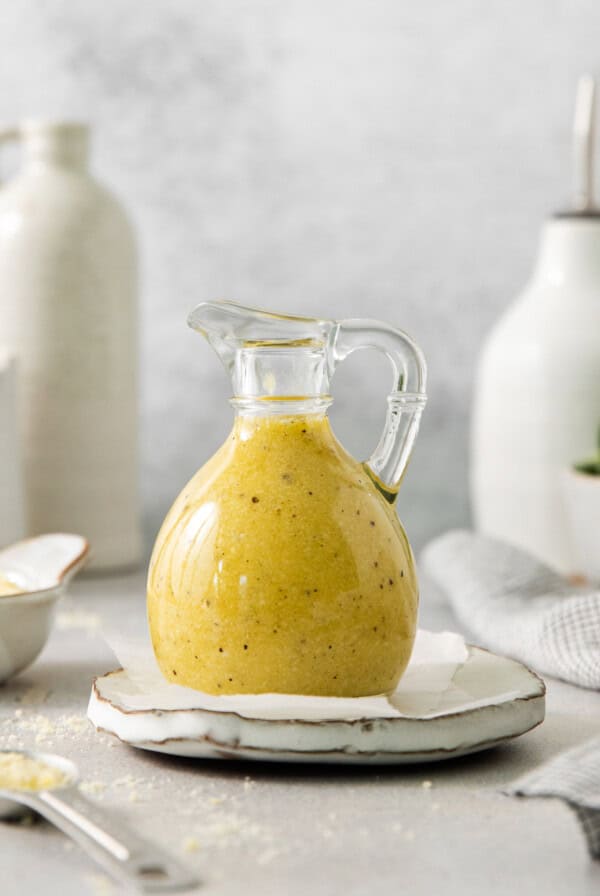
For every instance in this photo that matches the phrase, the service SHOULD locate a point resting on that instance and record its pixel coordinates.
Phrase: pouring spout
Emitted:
(267, 355)
(235, 324)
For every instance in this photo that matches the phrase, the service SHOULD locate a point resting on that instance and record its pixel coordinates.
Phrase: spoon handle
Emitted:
(112, 844)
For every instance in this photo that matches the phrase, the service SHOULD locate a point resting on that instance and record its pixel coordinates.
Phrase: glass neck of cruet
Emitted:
(282, 365)
(278, 378)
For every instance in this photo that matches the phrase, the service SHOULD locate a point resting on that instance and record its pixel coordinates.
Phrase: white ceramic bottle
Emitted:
(68, 283)
(537, 396)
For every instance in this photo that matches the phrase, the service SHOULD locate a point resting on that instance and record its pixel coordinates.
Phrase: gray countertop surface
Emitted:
(250, 828)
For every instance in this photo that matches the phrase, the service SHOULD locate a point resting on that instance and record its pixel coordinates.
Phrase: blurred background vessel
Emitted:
(537, 390)
(68, 283)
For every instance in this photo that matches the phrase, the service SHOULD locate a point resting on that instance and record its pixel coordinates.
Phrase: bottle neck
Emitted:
(272, 379)
(62, 145)
(569, 252)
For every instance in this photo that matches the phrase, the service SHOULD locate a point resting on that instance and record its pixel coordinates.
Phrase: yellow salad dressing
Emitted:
(282, 568)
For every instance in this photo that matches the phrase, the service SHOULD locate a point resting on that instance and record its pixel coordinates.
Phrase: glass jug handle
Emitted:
(405, 402)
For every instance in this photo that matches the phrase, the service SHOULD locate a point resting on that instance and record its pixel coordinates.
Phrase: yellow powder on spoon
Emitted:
(20, 772)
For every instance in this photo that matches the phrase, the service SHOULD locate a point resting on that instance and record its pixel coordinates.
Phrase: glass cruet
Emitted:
(282, 565)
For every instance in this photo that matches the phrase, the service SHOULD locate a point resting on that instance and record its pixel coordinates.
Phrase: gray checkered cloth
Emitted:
(573, 777)
(514, 605)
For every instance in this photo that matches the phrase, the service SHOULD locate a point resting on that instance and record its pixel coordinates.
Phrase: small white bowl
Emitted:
(582, 502)
(42, 567)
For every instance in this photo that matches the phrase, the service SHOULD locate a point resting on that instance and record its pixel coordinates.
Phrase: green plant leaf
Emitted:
(590, 467)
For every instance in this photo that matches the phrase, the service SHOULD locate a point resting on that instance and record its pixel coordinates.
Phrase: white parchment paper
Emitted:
(438, 680)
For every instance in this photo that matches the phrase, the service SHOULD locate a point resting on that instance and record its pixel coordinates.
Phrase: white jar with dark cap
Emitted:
(68, 284)
(537, 395)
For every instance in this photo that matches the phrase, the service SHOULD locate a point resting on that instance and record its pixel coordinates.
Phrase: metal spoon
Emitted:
(125, 855)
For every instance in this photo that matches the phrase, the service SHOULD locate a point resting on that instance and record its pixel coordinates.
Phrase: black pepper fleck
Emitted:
(255, 500)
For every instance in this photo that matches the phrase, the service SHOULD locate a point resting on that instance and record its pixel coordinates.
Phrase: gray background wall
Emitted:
(342, 158)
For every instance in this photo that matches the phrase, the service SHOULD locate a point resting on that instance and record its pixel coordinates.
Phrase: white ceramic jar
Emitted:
(537, 396)
(68, 283)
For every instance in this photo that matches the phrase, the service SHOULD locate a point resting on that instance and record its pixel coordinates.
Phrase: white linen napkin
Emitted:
(573, 777)
(514, 605)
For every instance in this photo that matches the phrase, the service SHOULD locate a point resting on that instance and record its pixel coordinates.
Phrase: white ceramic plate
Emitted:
(454, 699)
